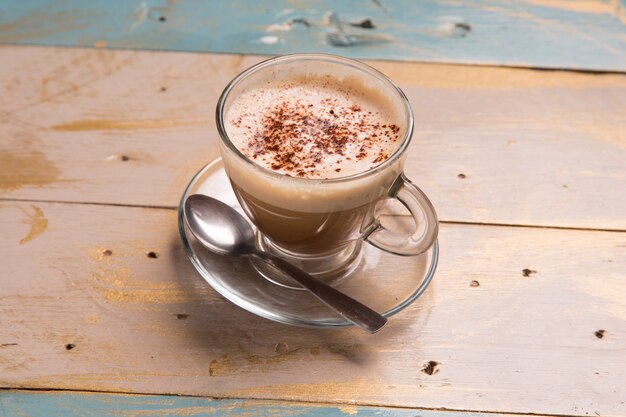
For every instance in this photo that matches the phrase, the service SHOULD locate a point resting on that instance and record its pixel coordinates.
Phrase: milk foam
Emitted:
(314, 126)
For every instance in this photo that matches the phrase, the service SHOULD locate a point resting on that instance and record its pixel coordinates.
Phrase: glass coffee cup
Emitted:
(320, 224)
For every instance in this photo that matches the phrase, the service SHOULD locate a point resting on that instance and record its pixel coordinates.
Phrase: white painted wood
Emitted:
(514, 343)
(535, 147)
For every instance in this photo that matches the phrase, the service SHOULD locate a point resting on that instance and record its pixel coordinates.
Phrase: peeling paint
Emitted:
(583, 34)
(349, 409)
(26, 168)
(75, 404)
(279, 27)
(37, 224)
(92, 319)
(222, 366)
(139, 15)
(40, 24)
(122, 286)
(268, 40)
(127, 124)
(62, 87)
(612, 7)
(329, 352)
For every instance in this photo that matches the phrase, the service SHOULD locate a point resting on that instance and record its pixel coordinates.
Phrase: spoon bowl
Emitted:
(218, 226)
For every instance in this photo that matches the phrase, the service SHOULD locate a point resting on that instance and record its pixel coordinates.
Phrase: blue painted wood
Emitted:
(587, 35)
(47, 404)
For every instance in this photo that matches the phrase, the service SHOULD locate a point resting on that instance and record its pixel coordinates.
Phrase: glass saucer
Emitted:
(385, 282)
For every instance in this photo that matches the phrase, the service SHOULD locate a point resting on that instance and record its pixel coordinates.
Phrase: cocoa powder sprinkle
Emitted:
(292, 138)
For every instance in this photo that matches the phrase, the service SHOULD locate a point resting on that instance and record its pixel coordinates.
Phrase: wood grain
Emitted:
(83, 307)
(492, 145)
(585, 34)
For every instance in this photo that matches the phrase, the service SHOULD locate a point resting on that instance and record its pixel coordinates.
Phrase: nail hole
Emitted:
(474, 283)
(600, 333)
(431, 368)
(564, 186)
(181, 316)
(125, 158)
(152, 255)
(365, 24)
(528, 272)
(461, 176)
(162, 19)
(107, 252)
(70, 346)
(163, 89)
(465, 26)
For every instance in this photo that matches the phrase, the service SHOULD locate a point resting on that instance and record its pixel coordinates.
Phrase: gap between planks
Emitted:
(264, 56)
(527, 226)
(300, 402)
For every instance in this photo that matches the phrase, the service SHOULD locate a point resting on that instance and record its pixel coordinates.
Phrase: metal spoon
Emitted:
(224, 231)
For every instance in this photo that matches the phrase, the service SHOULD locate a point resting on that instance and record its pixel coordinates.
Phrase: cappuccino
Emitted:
(307, 146)
(315, 127)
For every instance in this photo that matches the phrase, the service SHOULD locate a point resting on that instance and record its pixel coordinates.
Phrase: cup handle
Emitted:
(424, 215)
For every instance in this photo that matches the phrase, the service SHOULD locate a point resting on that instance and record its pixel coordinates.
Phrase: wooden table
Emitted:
(101, 313)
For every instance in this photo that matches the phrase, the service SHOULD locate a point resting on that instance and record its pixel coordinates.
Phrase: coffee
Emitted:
(314, 126)
(304, 137)
(312, 145)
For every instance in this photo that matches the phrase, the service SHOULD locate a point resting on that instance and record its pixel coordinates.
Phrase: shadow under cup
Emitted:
(317, 224)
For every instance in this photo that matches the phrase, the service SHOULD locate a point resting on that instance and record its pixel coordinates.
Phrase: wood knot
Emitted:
(281, 347)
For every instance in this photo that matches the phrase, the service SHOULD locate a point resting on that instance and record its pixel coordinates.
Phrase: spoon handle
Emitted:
(346, 306)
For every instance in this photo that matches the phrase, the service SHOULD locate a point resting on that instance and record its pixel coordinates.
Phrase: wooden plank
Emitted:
(70, 404)
(523, 340)
(585, 34)
(492, 145)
